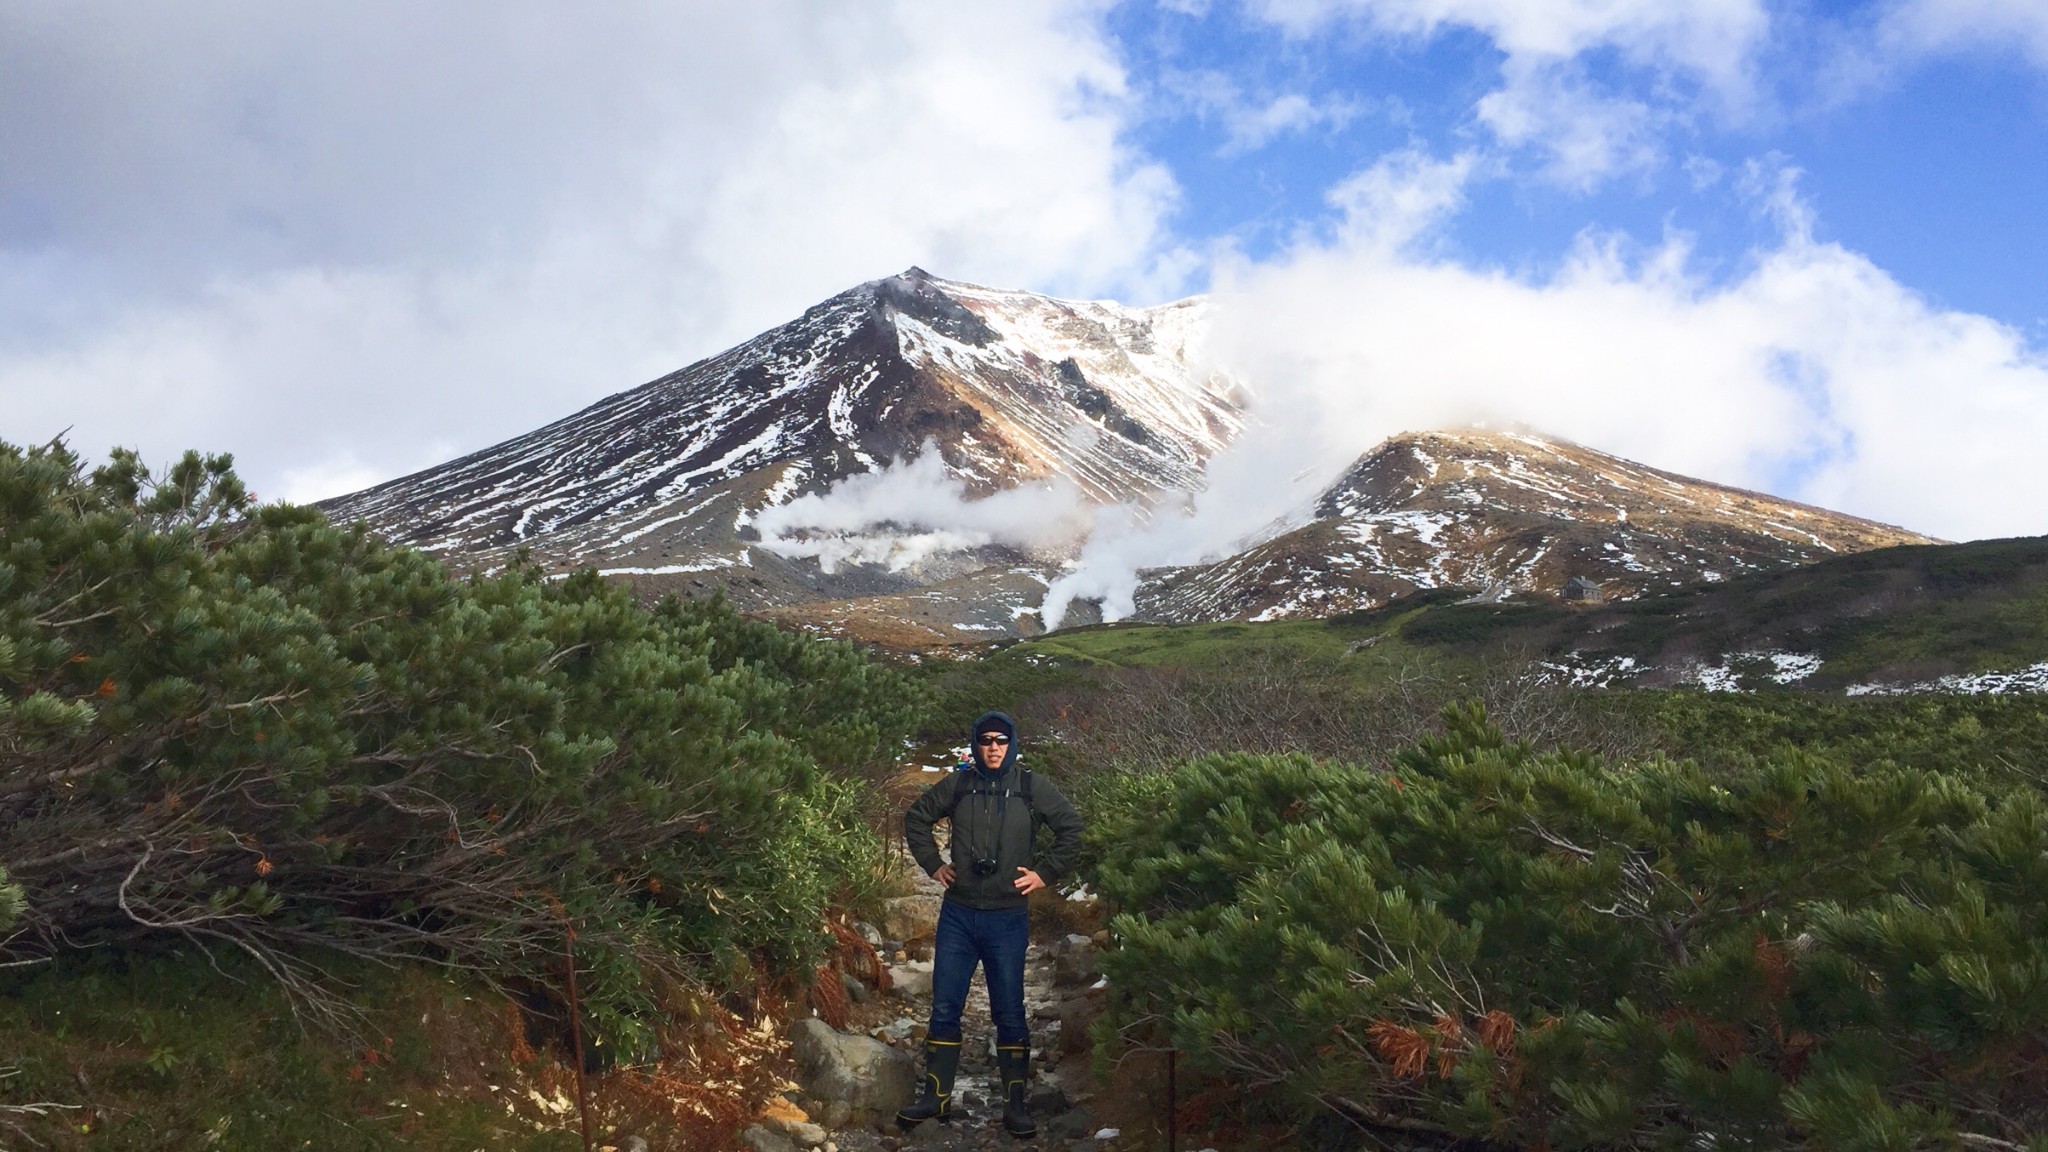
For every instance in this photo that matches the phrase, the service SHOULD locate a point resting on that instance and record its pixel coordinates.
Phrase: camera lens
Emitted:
(984, 867)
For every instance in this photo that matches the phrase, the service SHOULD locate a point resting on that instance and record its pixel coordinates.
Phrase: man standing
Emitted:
(996, 807)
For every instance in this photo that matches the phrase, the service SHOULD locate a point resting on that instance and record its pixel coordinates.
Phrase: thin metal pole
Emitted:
(1172, 1103)
(576, 1033)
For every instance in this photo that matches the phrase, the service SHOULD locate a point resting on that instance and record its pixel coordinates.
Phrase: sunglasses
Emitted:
(993, 739)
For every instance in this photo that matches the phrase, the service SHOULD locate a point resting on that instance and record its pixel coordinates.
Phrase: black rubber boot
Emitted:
(1014, 1065)
(935, 1096)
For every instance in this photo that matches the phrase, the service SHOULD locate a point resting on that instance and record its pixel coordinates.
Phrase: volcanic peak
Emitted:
(1511, 512)
(1009, 387)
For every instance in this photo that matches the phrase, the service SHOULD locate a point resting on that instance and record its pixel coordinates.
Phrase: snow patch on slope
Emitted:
(1778, 667)
(2033, 678)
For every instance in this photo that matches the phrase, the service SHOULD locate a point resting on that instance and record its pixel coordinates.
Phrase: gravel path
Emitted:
(1060, 1086)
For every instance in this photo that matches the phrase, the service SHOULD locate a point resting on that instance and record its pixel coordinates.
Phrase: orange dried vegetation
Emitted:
(519, 1051)
(1723, 1042)
(828, 995)
(1402, 1047)
(1776, 965)
(856, 957)
(1450, 1033)
(716, 1079)
(1497, 1032)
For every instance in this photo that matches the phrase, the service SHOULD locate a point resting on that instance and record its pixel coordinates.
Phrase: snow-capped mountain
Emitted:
(1506, 513)
(661, 483)
(690, 483)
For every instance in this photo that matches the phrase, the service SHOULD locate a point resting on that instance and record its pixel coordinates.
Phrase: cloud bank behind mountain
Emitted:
(346, 243)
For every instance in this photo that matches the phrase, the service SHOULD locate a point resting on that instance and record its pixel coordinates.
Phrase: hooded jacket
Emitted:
(988, 825)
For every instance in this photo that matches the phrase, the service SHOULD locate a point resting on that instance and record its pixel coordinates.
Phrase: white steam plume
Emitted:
(911, 511)
(1256, 488)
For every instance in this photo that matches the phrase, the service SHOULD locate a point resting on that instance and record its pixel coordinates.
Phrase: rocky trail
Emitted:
(849, 1082)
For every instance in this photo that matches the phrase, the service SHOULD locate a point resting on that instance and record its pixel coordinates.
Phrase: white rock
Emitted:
(910, 979)
(864, 1074)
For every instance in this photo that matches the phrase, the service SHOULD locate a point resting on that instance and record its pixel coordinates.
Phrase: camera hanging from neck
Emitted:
(985, 861)
(985, 865)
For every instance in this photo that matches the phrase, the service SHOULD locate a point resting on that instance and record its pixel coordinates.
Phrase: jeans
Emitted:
(994, 939)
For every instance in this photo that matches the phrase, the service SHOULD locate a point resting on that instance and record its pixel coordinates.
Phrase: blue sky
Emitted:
(1933, 165)
(1786, 244)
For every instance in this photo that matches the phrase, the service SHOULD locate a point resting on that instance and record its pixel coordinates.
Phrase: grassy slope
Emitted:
(1905, 614)
(1909, 613)
(1899, 614)
(1374, 640)
(1075, 658)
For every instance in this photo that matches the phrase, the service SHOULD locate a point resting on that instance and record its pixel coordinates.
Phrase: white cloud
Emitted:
(1814, 376)
(1390, 205)
(1584, 135)
(1923, 26)
(1255, 125)
(1702, 171)
(1548, 101)
(1711, 39)
(354, 242)
(1252, 122)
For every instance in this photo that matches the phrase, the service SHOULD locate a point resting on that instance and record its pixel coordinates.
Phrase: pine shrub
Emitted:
(1485, 942)
(244, 727)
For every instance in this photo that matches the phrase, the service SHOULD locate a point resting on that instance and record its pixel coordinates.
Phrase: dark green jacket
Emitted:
(977, 834)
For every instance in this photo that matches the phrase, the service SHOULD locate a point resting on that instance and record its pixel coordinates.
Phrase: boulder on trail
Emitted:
(910, 979)
(760, 1139)
(1077, 1013)
(850, 1078)
(1075, 961)
(909, 918)
(1076, 1124)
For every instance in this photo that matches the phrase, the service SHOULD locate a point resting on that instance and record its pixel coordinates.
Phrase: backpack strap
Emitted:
(955, 802)
(1030, 809)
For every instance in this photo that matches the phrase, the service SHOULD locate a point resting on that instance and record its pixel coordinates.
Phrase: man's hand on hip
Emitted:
(1027, 882)
(944, 875)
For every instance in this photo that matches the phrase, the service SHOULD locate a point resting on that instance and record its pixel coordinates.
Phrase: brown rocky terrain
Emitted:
(1504, 513)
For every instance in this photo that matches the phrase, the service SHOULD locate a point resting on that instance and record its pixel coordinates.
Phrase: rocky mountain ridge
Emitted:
(661, 483)
(1506, 513)
(668, 485)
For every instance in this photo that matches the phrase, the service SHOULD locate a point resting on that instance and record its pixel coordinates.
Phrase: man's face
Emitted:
(991, 747)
